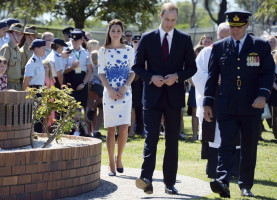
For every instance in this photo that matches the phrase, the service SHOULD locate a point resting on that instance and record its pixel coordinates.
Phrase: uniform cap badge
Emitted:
(74, 36)
(236, 18)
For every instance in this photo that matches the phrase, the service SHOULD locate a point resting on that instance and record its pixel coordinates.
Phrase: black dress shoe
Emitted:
(221, 188)
(246, 192)
(120, 170)
(171, 189)
(144, 184)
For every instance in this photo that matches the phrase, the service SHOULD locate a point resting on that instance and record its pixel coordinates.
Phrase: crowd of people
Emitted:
(137, 84)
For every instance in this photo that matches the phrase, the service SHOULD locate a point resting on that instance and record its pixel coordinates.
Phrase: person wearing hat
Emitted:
(29, 34)
(247, 68)
(66, 33)
(137, 85)
(78, 68)
(56, 61)
(3, 28)
(34, 76)
(9, 22)
(12, 54)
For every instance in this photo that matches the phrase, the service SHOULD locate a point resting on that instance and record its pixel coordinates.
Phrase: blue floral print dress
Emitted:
(116, 65)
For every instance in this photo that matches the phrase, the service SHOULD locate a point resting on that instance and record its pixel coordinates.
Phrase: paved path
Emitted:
(122, 187)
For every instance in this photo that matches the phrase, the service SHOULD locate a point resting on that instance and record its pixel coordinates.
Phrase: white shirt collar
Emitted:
(162, 32)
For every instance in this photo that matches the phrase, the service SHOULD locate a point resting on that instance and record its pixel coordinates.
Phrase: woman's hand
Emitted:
(114, 94)
(122, 90)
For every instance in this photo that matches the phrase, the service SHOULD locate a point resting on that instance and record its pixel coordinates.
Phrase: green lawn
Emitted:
(190, 164)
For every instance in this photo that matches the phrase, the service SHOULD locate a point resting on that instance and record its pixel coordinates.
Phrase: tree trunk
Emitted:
(193, 17)
(222, 10)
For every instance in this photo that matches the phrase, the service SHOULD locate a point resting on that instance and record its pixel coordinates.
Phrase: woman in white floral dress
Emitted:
(115, 61)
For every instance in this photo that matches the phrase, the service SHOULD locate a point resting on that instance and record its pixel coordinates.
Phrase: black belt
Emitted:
(36, 86)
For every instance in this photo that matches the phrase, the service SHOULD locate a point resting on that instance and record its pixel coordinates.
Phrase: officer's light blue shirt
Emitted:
(241, 41)
(34, 69)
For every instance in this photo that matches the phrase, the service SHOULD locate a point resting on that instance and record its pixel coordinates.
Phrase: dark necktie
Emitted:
(237, 47)
(165, 48)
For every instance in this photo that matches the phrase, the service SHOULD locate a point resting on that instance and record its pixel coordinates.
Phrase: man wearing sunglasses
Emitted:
(128, 37)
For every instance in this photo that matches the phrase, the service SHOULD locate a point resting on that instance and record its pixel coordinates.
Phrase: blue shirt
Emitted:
(34, 69)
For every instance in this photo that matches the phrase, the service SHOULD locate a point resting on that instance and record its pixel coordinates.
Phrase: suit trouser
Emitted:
(229, 128)
(152, 121)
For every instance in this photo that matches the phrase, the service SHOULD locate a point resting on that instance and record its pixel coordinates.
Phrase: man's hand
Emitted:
(259, 102)
(157, 80)
(75, 64)
(80, 86)
(208, 113)
(170, 79)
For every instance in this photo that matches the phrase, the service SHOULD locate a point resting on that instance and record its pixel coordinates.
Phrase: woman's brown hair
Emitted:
(108, 38)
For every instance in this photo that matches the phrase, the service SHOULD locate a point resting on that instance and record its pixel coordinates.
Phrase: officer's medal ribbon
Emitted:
(253, 60)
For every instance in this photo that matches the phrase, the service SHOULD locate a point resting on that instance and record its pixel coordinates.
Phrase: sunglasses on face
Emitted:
(136, 41)
(128, 35)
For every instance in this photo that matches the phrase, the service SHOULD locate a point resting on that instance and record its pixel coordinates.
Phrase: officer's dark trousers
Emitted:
(229, 128)
(152, 120)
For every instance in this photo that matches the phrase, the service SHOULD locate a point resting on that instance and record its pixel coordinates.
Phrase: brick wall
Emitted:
(15, 119)
(50, 173)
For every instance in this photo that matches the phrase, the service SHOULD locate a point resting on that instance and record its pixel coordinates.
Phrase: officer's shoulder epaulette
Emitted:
(33, 59)
(57, 55)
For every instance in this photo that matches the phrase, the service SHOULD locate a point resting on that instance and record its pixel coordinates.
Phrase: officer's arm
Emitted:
(212, 82)
(267, 70)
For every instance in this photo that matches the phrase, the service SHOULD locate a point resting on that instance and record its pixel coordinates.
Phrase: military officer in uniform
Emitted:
(66, 33)
(247, 73)
(30, 34)
(12, 54)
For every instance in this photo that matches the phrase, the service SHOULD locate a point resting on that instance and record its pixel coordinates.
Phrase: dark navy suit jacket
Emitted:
(181, 61)
(244, 77)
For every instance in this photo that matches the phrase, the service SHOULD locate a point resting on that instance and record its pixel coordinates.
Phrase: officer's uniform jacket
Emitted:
(244, 77)
(26, 54)
(13, 57)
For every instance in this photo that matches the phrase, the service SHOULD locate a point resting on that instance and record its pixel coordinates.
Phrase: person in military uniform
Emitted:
(29, 34)
(247, 73)
(12, 54)
(66, 33)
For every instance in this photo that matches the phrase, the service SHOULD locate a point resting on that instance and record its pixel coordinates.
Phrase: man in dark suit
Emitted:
(247, 73)
(169, 57)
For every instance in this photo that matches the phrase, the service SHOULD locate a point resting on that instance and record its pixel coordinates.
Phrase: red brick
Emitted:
(11, 135)
(3, 135)
(82, 180)
(47, 195)
(5, 171)
(30, 188)
(65, 174)
(11, 180)
(18, 170)
(64, 192)
(42, 186)
(57, 175)
(72, 173)
(27, 157)
(5, 191)
(18, 158)
(69, 164)
(36, 195)
(61, 165)
(79, 171)
(24, 179)
(23, 196)
(76, 181)
(38, 156)
(10, 159)
(1, 145)
(60, 184)
(51, 185)
(77, 163)
(2, 159)
(18, 189)
(43, 167)
(1, 181)
(14, 143)
(17, 134)
(31, 168)
(36, 178)
(44, 156)
(72, 191)
(47, 176)
(69, 183)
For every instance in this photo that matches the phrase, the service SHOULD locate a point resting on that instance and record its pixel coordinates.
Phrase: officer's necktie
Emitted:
(165, 48)
(237, 47)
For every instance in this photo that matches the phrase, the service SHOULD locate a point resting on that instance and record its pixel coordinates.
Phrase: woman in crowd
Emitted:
(34, 71)
(56, 61)
(192, 101)
(205, 40)
(29, 34)
(115, 60)
(78, 68)
(3, 76)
